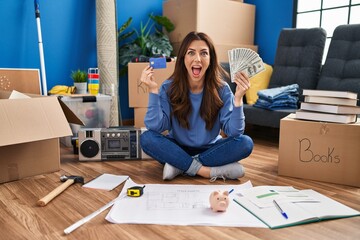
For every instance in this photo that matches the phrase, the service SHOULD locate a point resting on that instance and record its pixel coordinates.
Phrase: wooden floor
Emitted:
(21, 218)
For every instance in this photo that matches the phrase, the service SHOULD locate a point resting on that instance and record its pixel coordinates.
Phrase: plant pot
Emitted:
(81, 88)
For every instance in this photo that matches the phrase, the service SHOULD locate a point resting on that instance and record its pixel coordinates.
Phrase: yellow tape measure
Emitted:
(135, 191)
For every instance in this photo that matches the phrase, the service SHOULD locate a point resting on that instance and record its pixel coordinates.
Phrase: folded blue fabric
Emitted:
(290, 101)
(273, 93)
(277, 105)
(286, 97)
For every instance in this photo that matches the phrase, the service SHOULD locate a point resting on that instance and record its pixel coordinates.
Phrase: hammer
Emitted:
(68, 180)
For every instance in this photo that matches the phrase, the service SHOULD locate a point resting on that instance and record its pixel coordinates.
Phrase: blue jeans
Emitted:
(278, 92)
(188, 159)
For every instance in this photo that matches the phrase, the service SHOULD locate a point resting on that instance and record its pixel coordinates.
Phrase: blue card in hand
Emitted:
(157, 62)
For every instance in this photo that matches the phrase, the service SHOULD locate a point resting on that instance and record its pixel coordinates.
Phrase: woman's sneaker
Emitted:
(229, 171)
(170, 172)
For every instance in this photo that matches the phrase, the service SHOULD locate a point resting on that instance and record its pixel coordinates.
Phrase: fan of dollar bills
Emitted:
(245, 59)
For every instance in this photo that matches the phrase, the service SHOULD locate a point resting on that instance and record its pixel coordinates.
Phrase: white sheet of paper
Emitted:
(171, 204)
(17, 95)
(263, 196)
(106, 181)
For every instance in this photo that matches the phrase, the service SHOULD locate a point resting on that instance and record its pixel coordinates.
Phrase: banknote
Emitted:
(245, 60)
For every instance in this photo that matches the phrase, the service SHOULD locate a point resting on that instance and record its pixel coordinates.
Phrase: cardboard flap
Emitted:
(32, 119)
(70, 116)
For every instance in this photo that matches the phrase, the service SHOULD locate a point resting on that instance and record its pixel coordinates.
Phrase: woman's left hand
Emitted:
(242, 85)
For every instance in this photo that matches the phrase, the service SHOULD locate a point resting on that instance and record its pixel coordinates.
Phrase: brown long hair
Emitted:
(179, 89)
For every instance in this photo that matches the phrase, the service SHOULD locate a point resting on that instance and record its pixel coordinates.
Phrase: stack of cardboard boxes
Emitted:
(229, 23)
(139, 93)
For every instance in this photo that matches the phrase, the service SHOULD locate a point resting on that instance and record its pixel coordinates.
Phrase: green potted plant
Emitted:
(149, 41)
(80, 81)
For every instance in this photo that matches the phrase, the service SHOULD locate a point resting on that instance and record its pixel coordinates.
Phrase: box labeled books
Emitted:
(321, 151)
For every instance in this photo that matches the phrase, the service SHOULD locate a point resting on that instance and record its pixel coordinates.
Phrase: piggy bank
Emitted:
(219, 201)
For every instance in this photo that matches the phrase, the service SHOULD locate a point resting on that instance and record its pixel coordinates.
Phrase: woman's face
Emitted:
(197, 60)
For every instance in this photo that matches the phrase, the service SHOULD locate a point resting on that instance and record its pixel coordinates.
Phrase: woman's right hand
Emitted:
(147, 77)
(242, 85)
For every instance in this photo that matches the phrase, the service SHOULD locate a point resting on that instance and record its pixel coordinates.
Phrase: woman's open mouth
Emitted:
(196, 70)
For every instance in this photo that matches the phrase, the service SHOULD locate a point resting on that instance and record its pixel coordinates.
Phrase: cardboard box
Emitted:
(139, 116)
(22, 80)
(221, 50)
(226, 22)
(327, 152)
(30, 130)
(138, 92)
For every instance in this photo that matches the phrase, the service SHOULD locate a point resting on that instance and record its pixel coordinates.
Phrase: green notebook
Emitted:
(298, 212)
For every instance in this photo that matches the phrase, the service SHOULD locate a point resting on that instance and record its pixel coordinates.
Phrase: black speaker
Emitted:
(89, 144)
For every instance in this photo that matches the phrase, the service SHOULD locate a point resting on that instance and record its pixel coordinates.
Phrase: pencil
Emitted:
(89, 217)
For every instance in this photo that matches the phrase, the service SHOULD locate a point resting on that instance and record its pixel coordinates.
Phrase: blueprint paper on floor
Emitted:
(171, 204)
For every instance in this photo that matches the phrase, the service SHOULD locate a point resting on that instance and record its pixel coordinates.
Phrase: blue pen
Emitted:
(280, 210)
(231, 191)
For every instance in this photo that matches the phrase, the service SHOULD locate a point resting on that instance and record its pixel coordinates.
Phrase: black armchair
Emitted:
(341, 71)
(298, 60)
